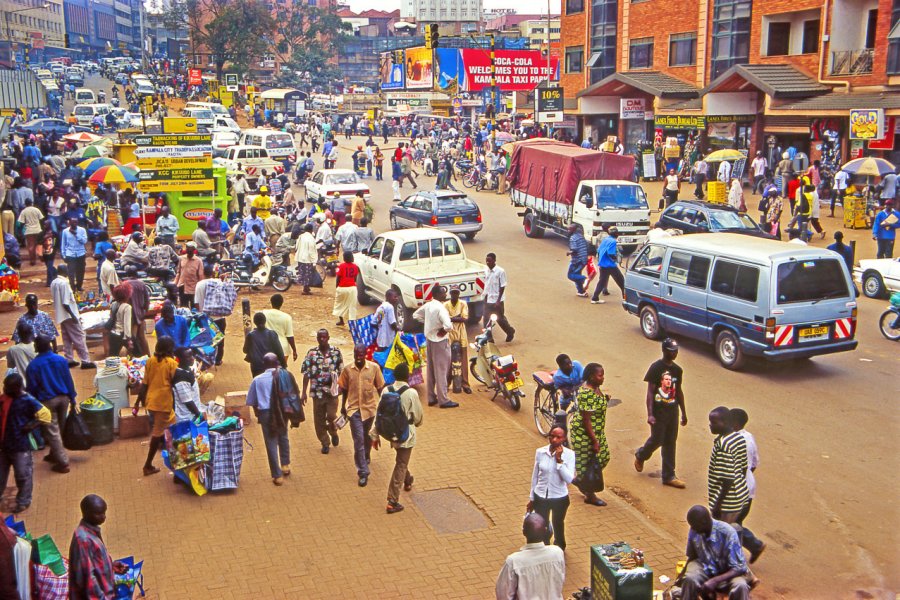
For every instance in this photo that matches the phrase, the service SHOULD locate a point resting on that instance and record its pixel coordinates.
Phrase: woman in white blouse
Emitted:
(554, 469)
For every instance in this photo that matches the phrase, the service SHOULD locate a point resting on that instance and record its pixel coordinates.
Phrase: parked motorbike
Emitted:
(266, 273)
(328, 259)
(499, 373)
(889, 323)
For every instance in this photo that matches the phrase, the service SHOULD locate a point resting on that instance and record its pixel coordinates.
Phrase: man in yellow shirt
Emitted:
(262, 203)
(282, 324)
(459, 314)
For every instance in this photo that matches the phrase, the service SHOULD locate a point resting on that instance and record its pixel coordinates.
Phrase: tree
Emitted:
(232, 31)
(306, 41)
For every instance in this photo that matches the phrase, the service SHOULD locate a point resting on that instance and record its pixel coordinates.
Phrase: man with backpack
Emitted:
(399, 414)
(360, 383)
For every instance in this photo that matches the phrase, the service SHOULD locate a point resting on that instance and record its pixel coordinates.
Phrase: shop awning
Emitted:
(649, 82)
(841, 103)
(776, 81)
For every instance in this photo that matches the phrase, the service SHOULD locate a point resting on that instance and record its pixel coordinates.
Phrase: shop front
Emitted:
(677, 143)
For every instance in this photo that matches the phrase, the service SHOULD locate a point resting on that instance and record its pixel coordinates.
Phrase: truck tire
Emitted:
(532, 229)
(405, 321)
(361, 295)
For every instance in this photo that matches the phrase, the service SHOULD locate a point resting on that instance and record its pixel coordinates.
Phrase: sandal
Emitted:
(150, 471)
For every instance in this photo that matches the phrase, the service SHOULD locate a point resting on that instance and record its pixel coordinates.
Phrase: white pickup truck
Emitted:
(413, 261)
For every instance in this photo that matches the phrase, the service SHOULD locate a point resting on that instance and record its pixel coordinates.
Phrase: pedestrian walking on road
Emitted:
(139, 298)
(588, 435)
(50, 382)
(20, 355)
(73, 252)
(306, 256)
(411, 408)
(554, 470)
(884, 229)
(758, 169)
(66, 309)
(385, 322)
(20, 412)
(258, 343)
(665, 397)
(495, 283)
(739, 420)
(40, 322)
(607, 253)
(282, 324)
(537, 570)
(360, 384)
(578, 257)
(156, 396)
(269, 411)
(321, 369)
(91, 570)
(345, 290)
(437, 327)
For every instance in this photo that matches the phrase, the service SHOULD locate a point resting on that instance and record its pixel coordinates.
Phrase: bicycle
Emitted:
(546, 403)
(471, 178)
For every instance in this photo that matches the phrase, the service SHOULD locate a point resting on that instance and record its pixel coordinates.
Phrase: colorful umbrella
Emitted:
(90, 152)
(106, 142)
(82, 136)
(869, 166)
(113, 174)
(91, 165)
(720, 155)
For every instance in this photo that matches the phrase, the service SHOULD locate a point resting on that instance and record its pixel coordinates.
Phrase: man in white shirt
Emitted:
(840, 188)
(536, 570)
(306, 256)
(386, 319)
(108, 276)
(437, 325)
(346, 238)
(724, 173)
(495, 296)
(323, 233)
(68, 320)
(758, 168)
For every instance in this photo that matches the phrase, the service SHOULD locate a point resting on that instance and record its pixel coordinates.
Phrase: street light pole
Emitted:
(493, 94)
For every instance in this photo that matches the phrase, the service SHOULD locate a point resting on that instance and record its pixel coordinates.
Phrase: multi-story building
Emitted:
(758, 75)
(535, 31)
(124, 37)
(33, 30)
(94, 25)
(454, 16)
(374, 32)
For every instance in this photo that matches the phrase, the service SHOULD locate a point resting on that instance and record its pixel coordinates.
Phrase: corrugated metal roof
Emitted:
(777, 81)
(21, 88)
(843, 102)
(651, 82)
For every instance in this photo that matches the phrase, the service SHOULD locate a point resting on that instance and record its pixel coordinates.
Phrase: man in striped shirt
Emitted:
(728, 494)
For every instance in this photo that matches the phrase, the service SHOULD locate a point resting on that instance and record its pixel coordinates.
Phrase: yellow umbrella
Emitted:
(869, 166)
(720, 155)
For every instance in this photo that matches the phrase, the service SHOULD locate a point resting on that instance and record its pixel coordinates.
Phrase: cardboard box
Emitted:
(237, 401)
(131, 426)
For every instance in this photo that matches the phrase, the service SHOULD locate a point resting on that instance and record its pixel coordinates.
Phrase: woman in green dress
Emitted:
(588, 433)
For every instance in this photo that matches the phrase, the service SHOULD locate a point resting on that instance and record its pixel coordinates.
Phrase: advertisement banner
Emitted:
(176, 185)
(195, 77)
(515, 70)
(867, 124)
(631, 108)
(886, 142)
(679, 122)
(419, 69)
(179, 125)
(447, 68)
(174, 163)
(392, 76)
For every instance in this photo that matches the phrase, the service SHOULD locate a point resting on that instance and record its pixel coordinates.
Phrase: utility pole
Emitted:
(493, 95)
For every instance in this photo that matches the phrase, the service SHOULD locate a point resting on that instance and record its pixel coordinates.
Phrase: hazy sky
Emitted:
(522, 6)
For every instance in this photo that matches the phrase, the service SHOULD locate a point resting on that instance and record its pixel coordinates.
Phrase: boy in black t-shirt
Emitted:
(664, 399)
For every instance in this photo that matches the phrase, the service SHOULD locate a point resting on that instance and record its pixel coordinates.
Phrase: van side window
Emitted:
(733, 279)
(687, 269)
(649, 262)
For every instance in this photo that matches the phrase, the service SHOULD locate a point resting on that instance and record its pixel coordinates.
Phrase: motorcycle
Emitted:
(268, 272)
(328, 259)
(889, 323)
(499, 373)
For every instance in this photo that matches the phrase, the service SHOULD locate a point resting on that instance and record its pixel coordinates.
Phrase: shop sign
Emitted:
(550, 104)
(195, 77)
(174, 163)
(231, 82)
(887, 142)
(679, 122)
(856, 148)
(566, 123)
(730, 118)
(395, 102)
(514, 70)
(631, 108)
(457, 106)
(198, 214)
(867, 124)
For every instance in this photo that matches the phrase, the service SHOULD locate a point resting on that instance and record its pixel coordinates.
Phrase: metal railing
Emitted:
(852, 62)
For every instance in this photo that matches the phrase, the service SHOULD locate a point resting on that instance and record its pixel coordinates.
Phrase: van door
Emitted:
(642, 285)
(735, 302)
(684, 294)
(369, 266)
(381, 279)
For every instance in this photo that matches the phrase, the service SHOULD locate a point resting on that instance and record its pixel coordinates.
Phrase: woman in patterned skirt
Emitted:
(588, 435)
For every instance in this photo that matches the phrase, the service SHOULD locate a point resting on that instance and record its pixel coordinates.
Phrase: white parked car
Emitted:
(878, 277)
(222, 140)
(324, 183)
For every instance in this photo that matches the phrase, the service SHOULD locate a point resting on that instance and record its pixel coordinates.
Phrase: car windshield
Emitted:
(620, 196)
(811, 281)
(452, 202)
(723, 219)
(279, 141)
(341, 179)
(202, 114)
(84, 110)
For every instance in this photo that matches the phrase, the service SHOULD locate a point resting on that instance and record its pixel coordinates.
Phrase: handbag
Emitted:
(75, 434)
(592, 478)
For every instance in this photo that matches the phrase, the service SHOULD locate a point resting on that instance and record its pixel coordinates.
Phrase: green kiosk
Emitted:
(190, 207)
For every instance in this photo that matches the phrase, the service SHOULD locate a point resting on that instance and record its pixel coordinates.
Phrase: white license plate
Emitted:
(627, 240)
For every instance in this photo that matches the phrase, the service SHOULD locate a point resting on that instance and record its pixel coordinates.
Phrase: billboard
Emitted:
(392, 76)
(867, 124)
(419, 68)
(447, 68)
(515, 70)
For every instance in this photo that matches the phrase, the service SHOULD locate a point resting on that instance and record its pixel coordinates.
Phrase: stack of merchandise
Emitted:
(855, 212)
(206, 455)
(9, 287)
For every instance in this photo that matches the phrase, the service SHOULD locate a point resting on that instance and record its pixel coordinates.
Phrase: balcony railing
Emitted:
(852, 62)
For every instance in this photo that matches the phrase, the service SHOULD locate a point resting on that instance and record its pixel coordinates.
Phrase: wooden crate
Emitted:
(131, 426)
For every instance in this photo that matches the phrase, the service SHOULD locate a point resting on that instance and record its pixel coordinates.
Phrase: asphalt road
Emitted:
(824, 426)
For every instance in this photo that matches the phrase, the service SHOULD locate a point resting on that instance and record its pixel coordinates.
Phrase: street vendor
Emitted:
(135, 253)
(172, 325)
(185, 389)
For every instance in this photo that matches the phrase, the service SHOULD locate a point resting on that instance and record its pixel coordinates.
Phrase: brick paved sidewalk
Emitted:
(321, 536)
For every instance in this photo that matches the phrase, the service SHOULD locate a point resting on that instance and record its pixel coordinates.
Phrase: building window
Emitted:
(779, 39)
(682, 49)
(602, 61)
(893, 58)
(810, 36)
(574, 59)
(640, 53)
(574, 6)
(731, 35)
(871, 28)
